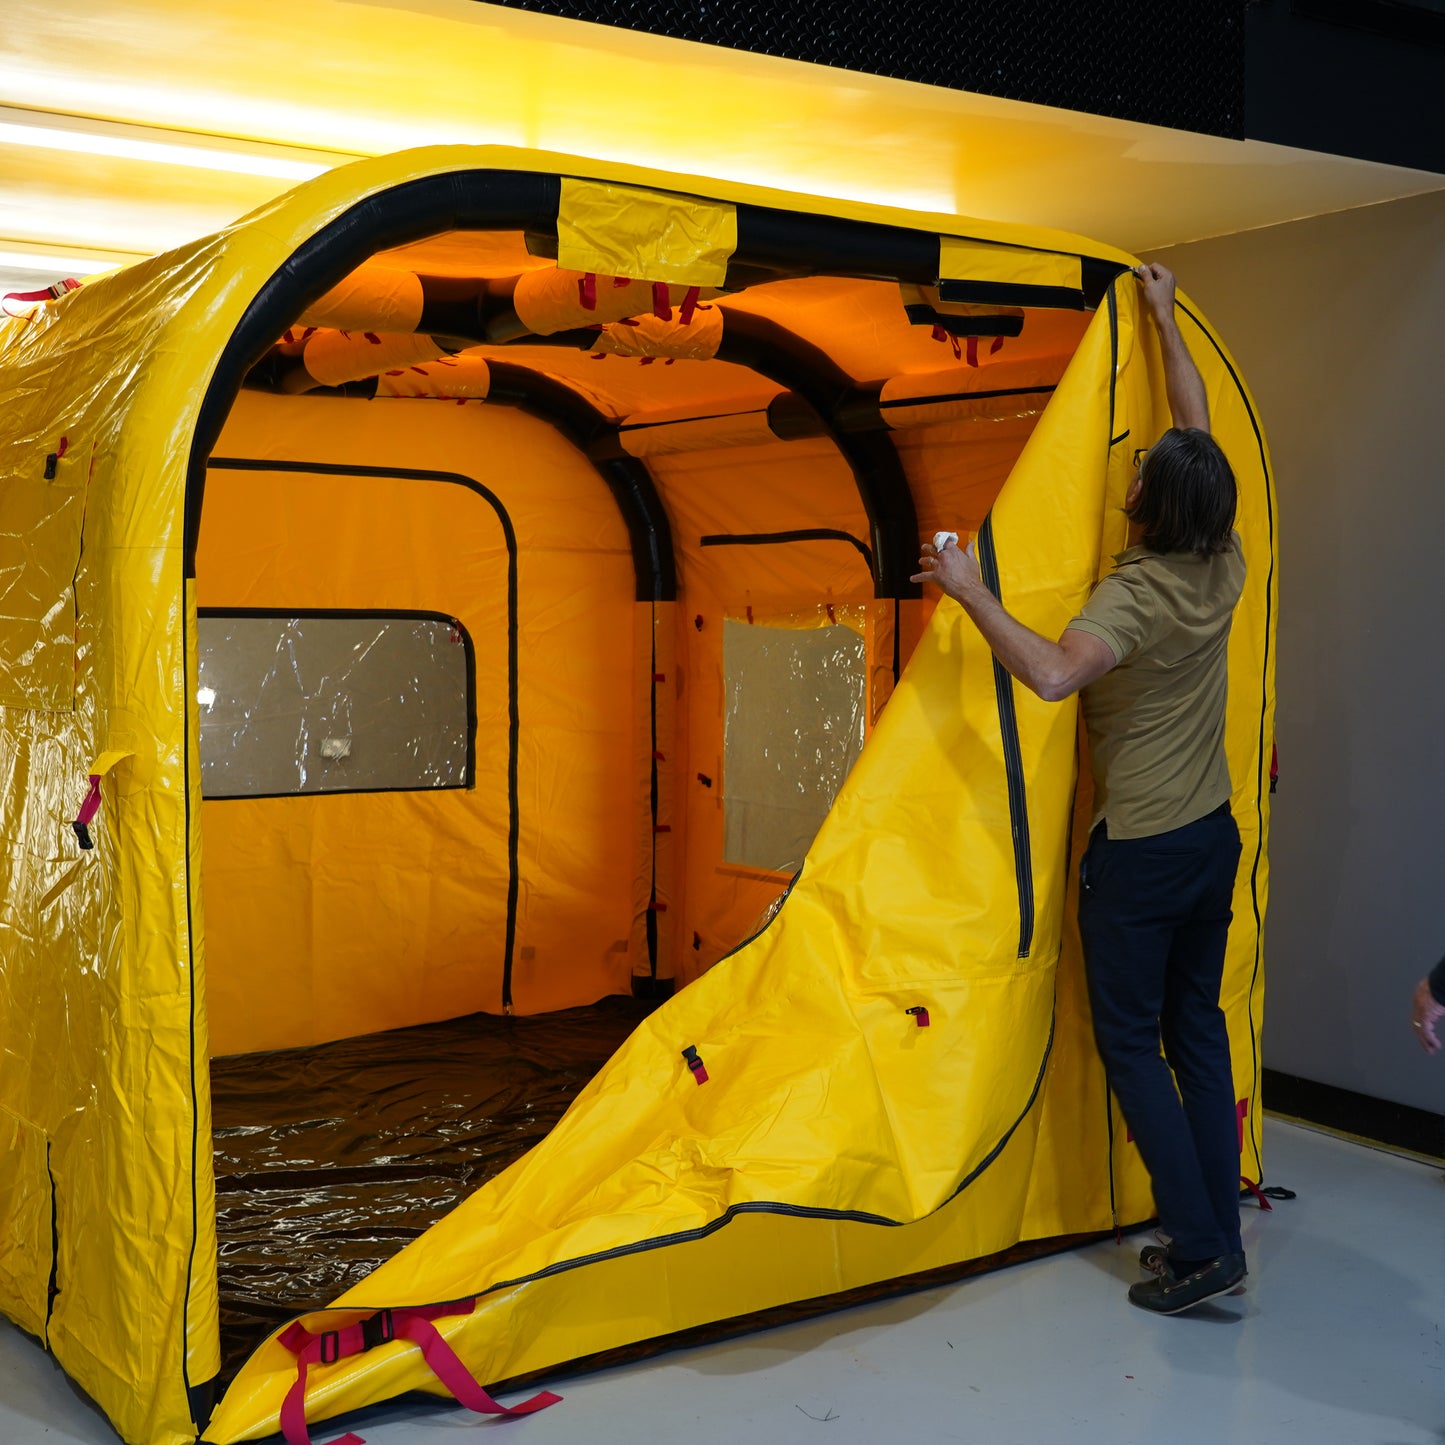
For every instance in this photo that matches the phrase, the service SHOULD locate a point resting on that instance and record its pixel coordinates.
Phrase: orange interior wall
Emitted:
(333, 915)
(328, 916)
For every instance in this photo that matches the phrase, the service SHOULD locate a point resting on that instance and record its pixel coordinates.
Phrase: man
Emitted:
(1148, 653)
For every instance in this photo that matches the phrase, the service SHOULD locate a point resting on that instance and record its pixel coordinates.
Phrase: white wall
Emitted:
(1338, 325)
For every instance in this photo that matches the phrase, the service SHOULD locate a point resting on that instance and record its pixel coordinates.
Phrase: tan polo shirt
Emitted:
(1156, 719)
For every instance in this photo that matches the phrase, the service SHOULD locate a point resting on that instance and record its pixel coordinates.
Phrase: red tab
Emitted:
(973, 351)
(996, 347)
(46, 293)
(661, 301)
(91, 806)
(587, 291)
(689, 305)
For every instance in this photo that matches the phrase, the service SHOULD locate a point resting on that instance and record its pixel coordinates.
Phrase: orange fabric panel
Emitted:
(359, 912)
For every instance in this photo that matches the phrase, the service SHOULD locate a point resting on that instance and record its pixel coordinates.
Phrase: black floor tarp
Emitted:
(329, 1159)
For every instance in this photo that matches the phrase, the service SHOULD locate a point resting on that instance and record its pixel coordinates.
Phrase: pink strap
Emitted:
(386, 1325)
(91, 806)
(1258, 1193)
(46, 293)
(88, 809)
(446, 1366)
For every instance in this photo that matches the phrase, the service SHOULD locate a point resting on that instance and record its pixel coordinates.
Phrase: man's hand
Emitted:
(953, 569)
(1425, 1014)
(1157, 283)
(1053, 670)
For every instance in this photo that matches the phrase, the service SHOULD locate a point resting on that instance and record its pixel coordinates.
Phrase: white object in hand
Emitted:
(942, 539)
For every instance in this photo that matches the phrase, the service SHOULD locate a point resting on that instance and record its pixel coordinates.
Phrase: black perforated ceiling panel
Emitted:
(1180, 64)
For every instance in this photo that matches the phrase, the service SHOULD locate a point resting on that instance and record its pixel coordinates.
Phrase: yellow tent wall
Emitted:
(840, 1144)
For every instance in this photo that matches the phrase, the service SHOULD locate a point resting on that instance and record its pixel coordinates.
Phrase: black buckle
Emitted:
(330, 1347)
(379, 1329)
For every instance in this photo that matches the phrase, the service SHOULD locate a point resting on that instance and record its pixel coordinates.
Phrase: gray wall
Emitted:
(1338, 325)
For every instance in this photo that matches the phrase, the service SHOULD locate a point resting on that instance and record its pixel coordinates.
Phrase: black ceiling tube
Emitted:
(626, 476)
(776, 353)
(787, 243)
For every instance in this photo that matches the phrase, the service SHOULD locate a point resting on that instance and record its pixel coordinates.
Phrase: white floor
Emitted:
(1337, 1342)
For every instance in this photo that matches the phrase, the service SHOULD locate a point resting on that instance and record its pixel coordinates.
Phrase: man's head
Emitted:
(1184, 497)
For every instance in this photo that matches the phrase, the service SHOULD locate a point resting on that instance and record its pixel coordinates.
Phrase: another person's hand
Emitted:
(1425, 1014)
(1157, 283)
(953, 569)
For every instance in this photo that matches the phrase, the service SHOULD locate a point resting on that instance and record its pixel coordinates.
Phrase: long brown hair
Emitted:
(1188, 498)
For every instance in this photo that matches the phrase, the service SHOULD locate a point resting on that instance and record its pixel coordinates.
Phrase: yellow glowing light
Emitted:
(111, 142)
(57, 264)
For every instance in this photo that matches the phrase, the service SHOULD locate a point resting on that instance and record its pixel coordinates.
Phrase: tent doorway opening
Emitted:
(541, 615)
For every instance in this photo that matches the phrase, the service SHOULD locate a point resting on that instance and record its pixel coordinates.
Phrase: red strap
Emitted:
(1258, 1193)
(91, 806)
(587, 290)
(407, 1324)
(46, 293)
(457, 1378)
(997, 345)
(689, 305)
(973, 351)
(661, 301)
(940, 333)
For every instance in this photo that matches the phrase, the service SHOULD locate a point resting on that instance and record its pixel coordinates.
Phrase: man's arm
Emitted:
(1188, 404)
(1054, 670)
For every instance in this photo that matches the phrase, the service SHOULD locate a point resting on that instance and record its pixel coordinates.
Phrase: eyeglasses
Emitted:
(1139, 454)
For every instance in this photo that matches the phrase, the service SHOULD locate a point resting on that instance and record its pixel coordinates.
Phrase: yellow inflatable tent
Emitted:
(472, 593)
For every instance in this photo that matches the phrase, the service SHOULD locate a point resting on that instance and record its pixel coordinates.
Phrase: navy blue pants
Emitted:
(1154, 914)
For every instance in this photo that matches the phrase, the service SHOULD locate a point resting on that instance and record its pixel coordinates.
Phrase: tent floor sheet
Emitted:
(330, 1158)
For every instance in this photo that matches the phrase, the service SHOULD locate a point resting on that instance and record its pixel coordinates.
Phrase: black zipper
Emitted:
(1013, 762)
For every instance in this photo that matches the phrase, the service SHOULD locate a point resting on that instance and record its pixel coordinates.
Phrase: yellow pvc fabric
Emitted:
(961, 259)
(647, 235)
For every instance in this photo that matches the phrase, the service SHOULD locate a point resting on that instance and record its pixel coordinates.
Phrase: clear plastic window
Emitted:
(793, 726)
(333, 702)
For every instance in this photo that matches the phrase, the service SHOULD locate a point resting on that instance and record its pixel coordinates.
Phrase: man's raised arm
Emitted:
(1185, 387)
